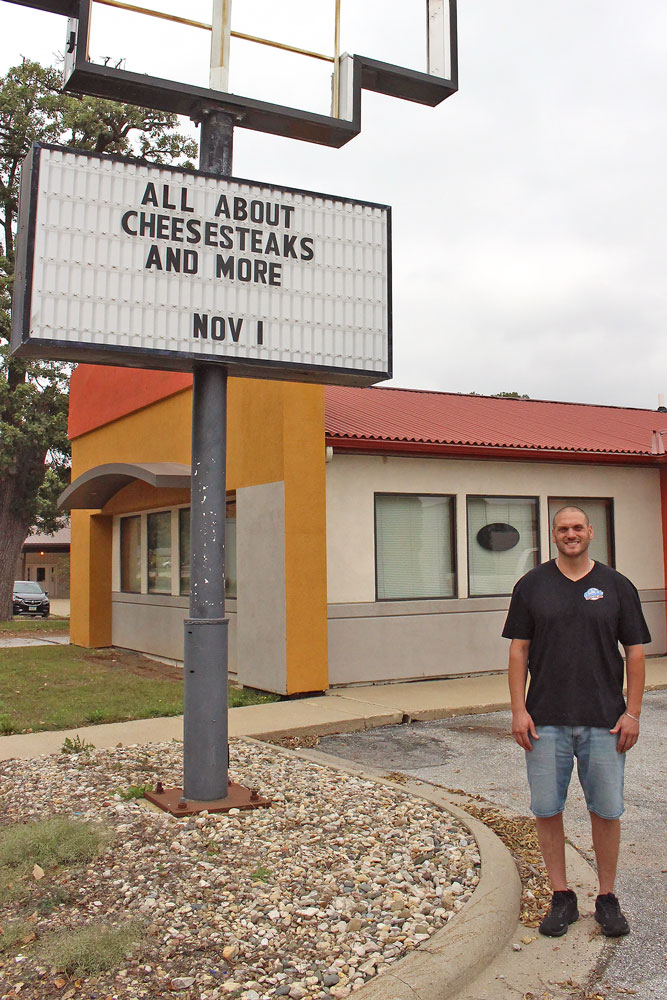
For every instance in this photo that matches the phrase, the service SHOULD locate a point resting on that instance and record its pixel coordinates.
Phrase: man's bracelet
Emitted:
(630, 716)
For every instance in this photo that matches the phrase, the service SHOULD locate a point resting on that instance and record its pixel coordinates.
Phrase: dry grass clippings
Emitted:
(305, 742)
(519, 836)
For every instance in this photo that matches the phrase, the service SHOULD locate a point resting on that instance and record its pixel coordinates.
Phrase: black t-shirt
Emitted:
(574, 627)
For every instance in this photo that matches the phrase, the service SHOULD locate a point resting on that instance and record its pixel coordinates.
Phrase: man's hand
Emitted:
(628, 733)
(523, 729)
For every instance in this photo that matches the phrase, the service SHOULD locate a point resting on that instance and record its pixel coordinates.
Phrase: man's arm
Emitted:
(517, 674)
(627, 726)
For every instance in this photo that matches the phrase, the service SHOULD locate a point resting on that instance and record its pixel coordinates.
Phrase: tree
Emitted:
(34, 450)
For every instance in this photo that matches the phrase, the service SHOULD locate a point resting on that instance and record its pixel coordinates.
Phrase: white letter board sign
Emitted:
(126, 263)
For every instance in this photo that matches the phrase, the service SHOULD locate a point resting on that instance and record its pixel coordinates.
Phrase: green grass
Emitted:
(237, 697)
(22, 625)
(65, 687)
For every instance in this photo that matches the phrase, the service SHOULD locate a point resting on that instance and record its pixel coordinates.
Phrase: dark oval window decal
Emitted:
(498, 537)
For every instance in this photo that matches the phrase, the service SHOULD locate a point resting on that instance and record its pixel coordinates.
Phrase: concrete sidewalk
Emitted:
(343, 710)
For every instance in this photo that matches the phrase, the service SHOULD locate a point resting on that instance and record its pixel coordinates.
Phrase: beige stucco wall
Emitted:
(154, 624)
(352, 481)
(373, 641)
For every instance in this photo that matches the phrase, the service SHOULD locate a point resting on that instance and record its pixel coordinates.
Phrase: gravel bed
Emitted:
(308, 899)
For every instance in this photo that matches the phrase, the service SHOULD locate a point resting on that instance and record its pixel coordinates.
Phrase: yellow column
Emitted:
(276, 433)
(305, 540)
(90, 579)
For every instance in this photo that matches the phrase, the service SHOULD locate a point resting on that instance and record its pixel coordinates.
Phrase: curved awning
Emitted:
(95, 487)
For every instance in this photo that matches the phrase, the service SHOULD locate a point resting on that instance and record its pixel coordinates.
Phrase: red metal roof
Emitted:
(386, 418)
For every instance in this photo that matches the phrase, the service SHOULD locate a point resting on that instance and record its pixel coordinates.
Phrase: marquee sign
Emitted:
(124, 262)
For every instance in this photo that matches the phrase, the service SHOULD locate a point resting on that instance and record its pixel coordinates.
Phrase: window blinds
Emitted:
(414, 546)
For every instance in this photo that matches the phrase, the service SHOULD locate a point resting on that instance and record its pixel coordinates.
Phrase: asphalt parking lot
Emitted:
(477, 753)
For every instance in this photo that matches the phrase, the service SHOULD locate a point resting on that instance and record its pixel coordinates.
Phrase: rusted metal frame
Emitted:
(238, 797)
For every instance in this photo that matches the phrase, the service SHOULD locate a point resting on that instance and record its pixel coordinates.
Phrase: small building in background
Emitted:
(373, 535)
(46, 560)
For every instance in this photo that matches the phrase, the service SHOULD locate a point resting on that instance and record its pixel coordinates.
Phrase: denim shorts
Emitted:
(599, 765)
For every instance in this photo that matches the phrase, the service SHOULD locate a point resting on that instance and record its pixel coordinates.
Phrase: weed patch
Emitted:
(135, 791)
(51, 842)
(57, 897)
(89, 950)
(14, 934)
(77, 745)
(261, 874)
(6, 725)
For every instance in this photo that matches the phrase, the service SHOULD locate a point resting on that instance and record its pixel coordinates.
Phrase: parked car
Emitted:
(30, 599)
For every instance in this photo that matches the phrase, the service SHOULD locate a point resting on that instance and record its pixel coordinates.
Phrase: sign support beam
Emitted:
(205, 730)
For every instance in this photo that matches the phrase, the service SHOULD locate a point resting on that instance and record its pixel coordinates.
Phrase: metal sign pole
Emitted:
(205, 756)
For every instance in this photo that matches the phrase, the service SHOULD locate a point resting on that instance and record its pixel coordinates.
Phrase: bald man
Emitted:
(566, 619)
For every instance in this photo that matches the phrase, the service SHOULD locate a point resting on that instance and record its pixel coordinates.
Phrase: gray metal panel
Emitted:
(94, 488)
(261, 600)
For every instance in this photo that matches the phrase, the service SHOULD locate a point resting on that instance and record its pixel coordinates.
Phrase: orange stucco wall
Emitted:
(157, 433)
(90, 579)
(275, 432)
(99, 394)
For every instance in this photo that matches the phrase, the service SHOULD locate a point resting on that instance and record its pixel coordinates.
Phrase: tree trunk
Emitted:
(13, 531)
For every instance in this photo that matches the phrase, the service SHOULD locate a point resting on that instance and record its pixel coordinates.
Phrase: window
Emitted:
(414, 546)
(130, 555)
(184, 550)
(158, 529)
(600, 514)
(230, 549)
(502, 542)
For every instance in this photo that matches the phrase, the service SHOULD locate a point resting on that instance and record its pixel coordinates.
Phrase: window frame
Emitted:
(160, 593)
(174, 510)
(121, 519)
(580, 502)
(453, 536)
(502, 496)
(179, 512)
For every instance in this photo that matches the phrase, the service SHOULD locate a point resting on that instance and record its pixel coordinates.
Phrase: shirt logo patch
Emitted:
(593, 594)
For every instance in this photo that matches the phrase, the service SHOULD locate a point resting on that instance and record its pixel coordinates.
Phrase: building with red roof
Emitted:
(374, 534)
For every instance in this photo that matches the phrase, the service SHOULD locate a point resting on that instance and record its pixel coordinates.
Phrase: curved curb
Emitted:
(461, 950)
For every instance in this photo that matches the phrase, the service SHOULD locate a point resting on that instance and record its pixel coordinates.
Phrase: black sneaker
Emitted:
(609, 916)
(562, 912)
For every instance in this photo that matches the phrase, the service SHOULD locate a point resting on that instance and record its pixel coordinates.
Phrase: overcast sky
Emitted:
(529, 209)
